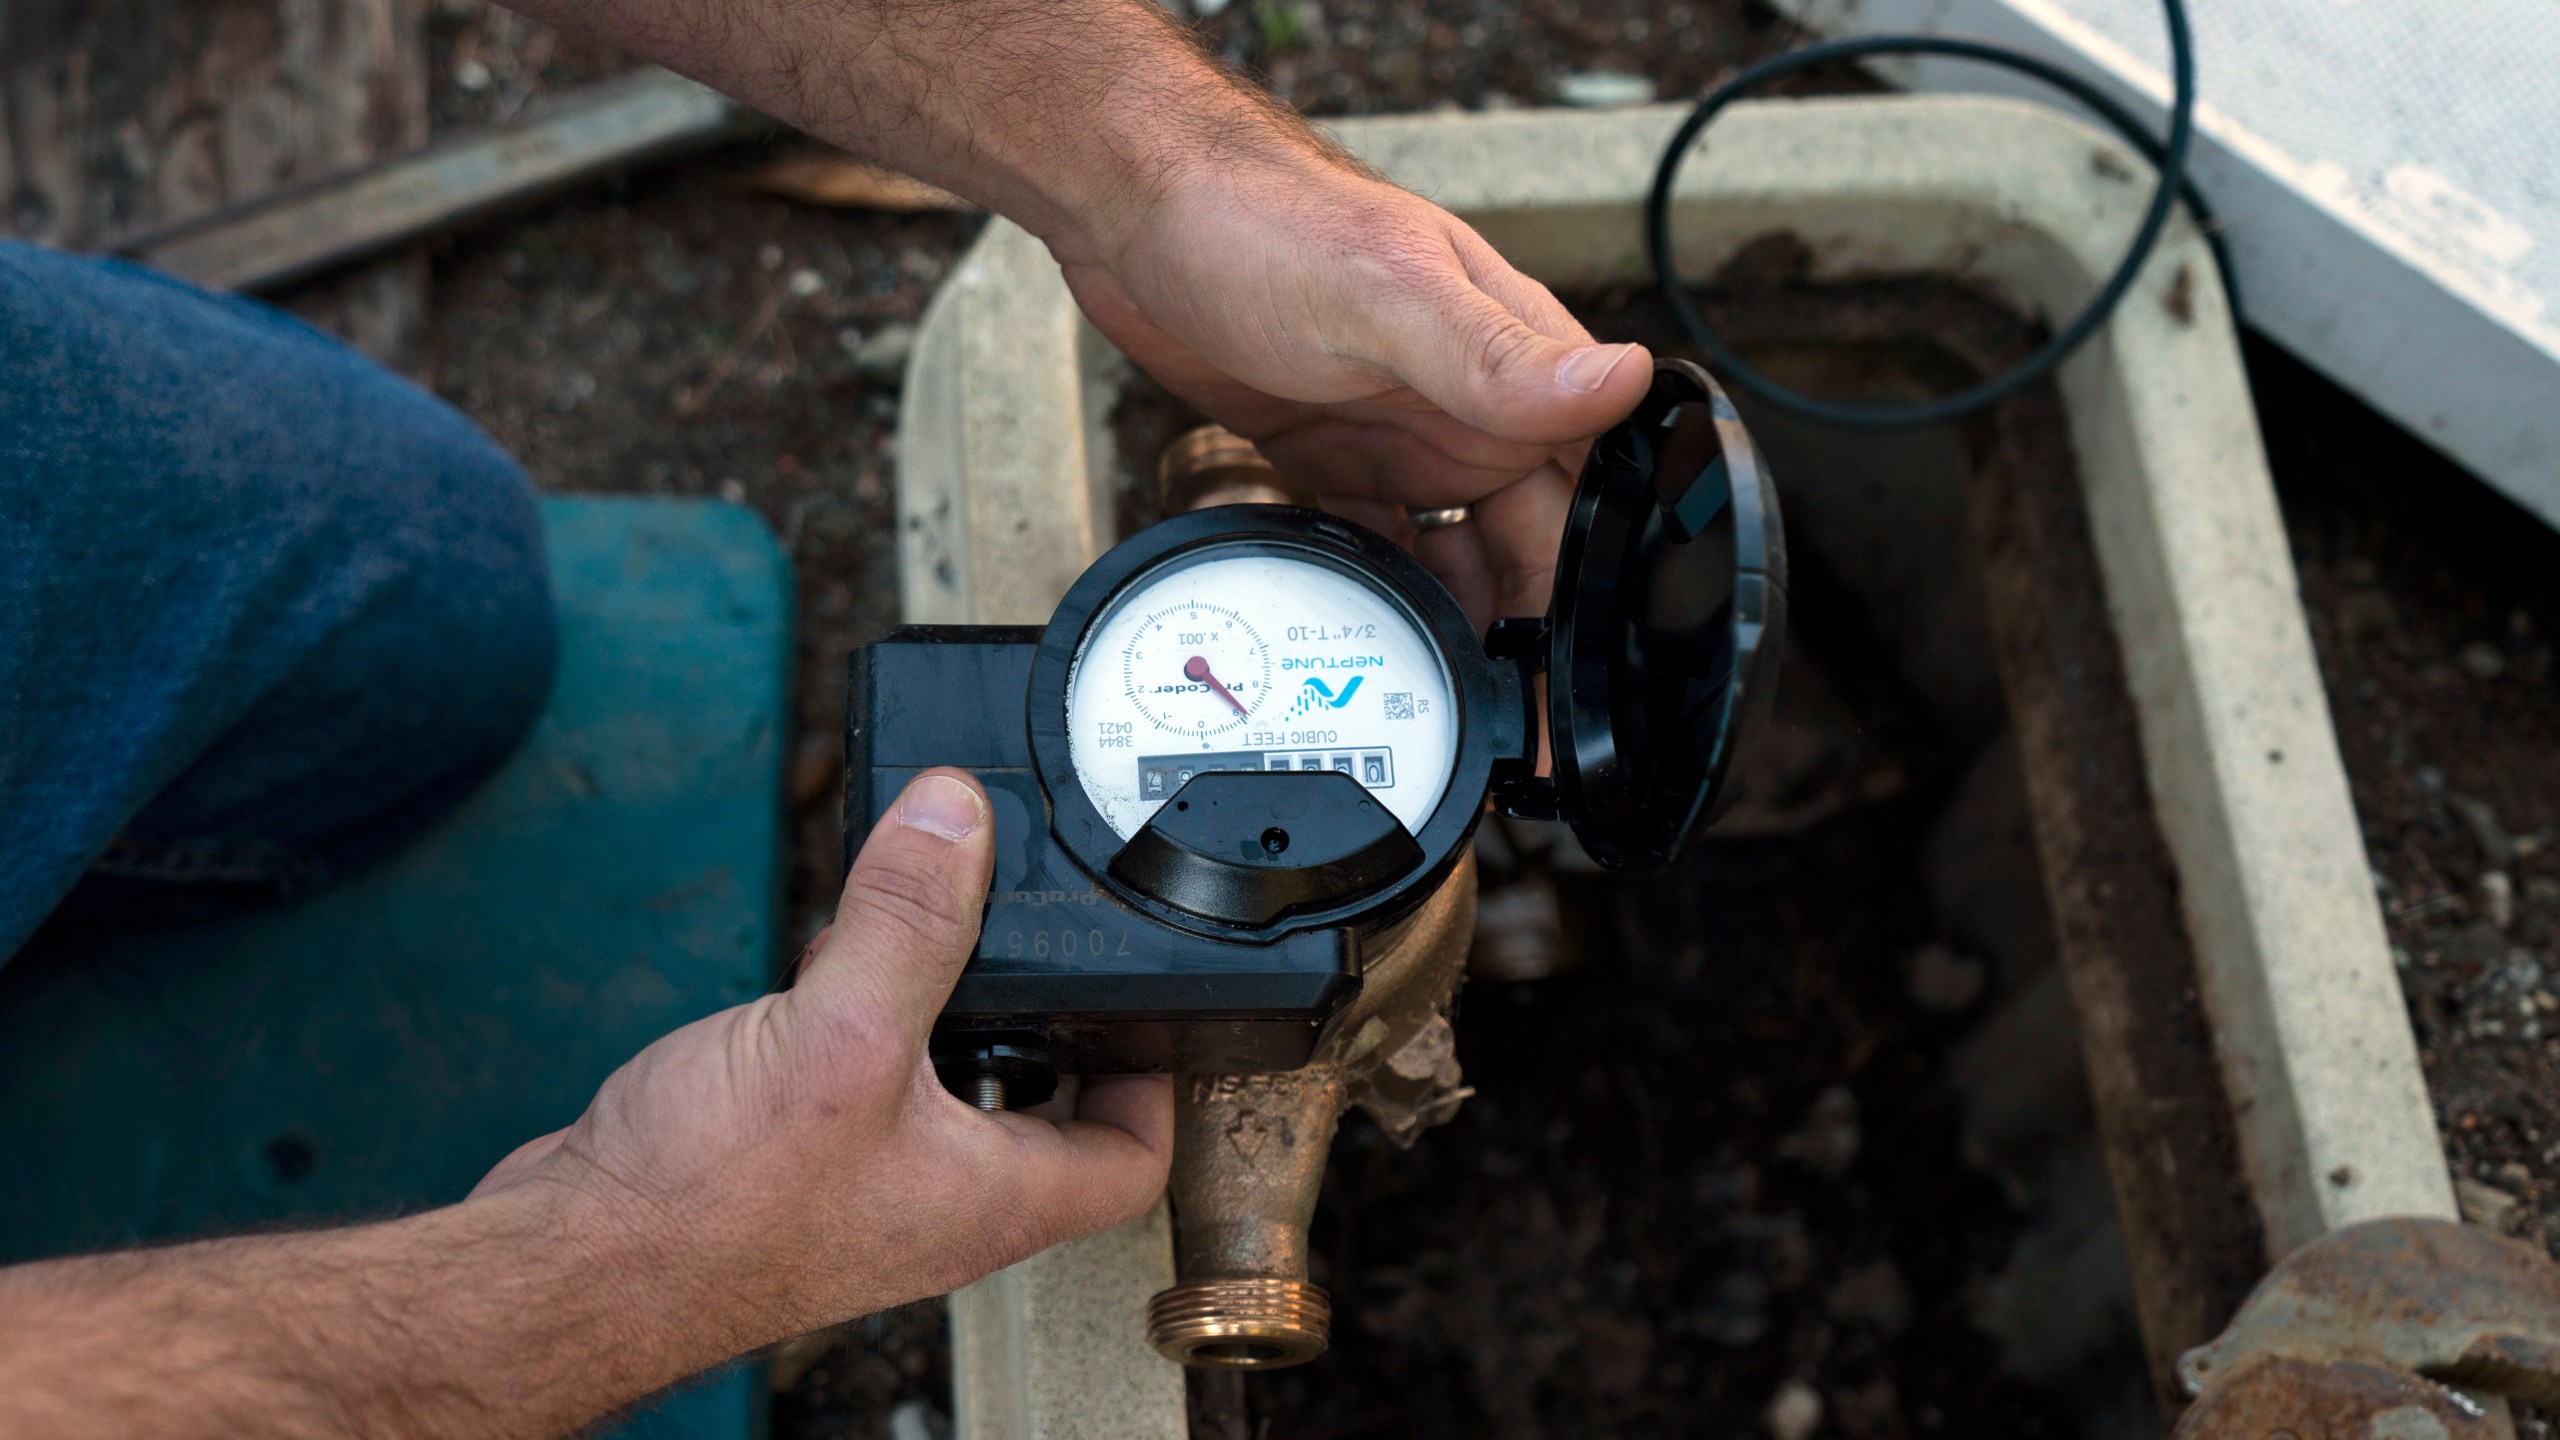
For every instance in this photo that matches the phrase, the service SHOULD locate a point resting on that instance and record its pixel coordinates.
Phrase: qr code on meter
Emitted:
(1399, 704)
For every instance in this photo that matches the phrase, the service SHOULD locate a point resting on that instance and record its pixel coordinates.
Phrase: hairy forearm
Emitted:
(500, 1317)
(1063, 115)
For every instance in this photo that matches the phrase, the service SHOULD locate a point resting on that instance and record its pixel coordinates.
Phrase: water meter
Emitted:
(1252, 736)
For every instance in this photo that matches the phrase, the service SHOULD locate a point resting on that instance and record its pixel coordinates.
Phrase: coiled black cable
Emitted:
(2168, 155)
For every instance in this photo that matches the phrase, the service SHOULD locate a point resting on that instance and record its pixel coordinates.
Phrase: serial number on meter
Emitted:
(1198, 666)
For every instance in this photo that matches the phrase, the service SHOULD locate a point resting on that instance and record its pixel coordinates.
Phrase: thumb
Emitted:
(909, 915)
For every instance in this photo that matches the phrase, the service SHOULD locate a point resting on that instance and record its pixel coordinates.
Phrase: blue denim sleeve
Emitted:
(264, 606)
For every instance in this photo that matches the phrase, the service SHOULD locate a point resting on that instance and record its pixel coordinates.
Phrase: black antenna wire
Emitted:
(2169, 156)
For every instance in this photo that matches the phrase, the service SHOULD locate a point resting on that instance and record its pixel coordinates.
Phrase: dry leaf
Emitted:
(845, 183)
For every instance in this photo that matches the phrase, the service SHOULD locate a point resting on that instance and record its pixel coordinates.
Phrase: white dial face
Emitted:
(1261, 660)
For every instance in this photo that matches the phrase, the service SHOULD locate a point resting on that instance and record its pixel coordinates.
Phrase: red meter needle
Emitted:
(1197, 669)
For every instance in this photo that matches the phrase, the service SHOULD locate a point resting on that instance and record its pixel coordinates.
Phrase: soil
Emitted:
(1356, 57)
(1722, 1157)
(1719, 1158)
(486, 63)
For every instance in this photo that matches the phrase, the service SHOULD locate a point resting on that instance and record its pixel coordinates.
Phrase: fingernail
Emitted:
(942, 805)
(1588, 368)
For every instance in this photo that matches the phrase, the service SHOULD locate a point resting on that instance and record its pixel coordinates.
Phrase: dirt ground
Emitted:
(1721, 1158)
(1353, 57)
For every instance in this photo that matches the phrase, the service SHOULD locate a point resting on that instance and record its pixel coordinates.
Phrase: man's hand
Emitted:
(799, 1151)
(762, 1172)
(1376, 347)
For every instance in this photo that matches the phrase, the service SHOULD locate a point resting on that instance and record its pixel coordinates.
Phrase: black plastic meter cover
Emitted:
(1661, 645)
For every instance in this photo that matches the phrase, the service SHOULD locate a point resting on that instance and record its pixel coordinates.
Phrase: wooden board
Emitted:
(268, 244)
(125, 115)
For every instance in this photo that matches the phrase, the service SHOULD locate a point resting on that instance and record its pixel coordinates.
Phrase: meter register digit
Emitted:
(1251, 737)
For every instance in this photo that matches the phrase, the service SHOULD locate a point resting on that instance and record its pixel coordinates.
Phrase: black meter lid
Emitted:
(1661, 644)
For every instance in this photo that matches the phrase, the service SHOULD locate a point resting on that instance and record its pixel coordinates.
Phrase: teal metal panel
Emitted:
(377, 1048)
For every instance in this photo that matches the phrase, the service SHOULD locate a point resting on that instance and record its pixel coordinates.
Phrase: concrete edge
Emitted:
(996, 512)
(1055, 1348)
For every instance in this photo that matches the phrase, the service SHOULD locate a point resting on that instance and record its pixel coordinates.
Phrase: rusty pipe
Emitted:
(1249, 1150)
(1249, 1155)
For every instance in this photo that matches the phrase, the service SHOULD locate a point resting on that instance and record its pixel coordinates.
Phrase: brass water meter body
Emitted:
(1249, 1150)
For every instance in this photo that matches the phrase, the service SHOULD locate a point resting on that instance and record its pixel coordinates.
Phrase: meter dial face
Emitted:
(1258, 657)
(1194, 668)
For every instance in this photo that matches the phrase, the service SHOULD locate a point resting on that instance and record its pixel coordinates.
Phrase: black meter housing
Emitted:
(1224, 933)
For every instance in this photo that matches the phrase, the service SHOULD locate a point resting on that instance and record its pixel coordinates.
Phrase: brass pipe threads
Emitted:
(1259, 1324)
(987, 1091)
